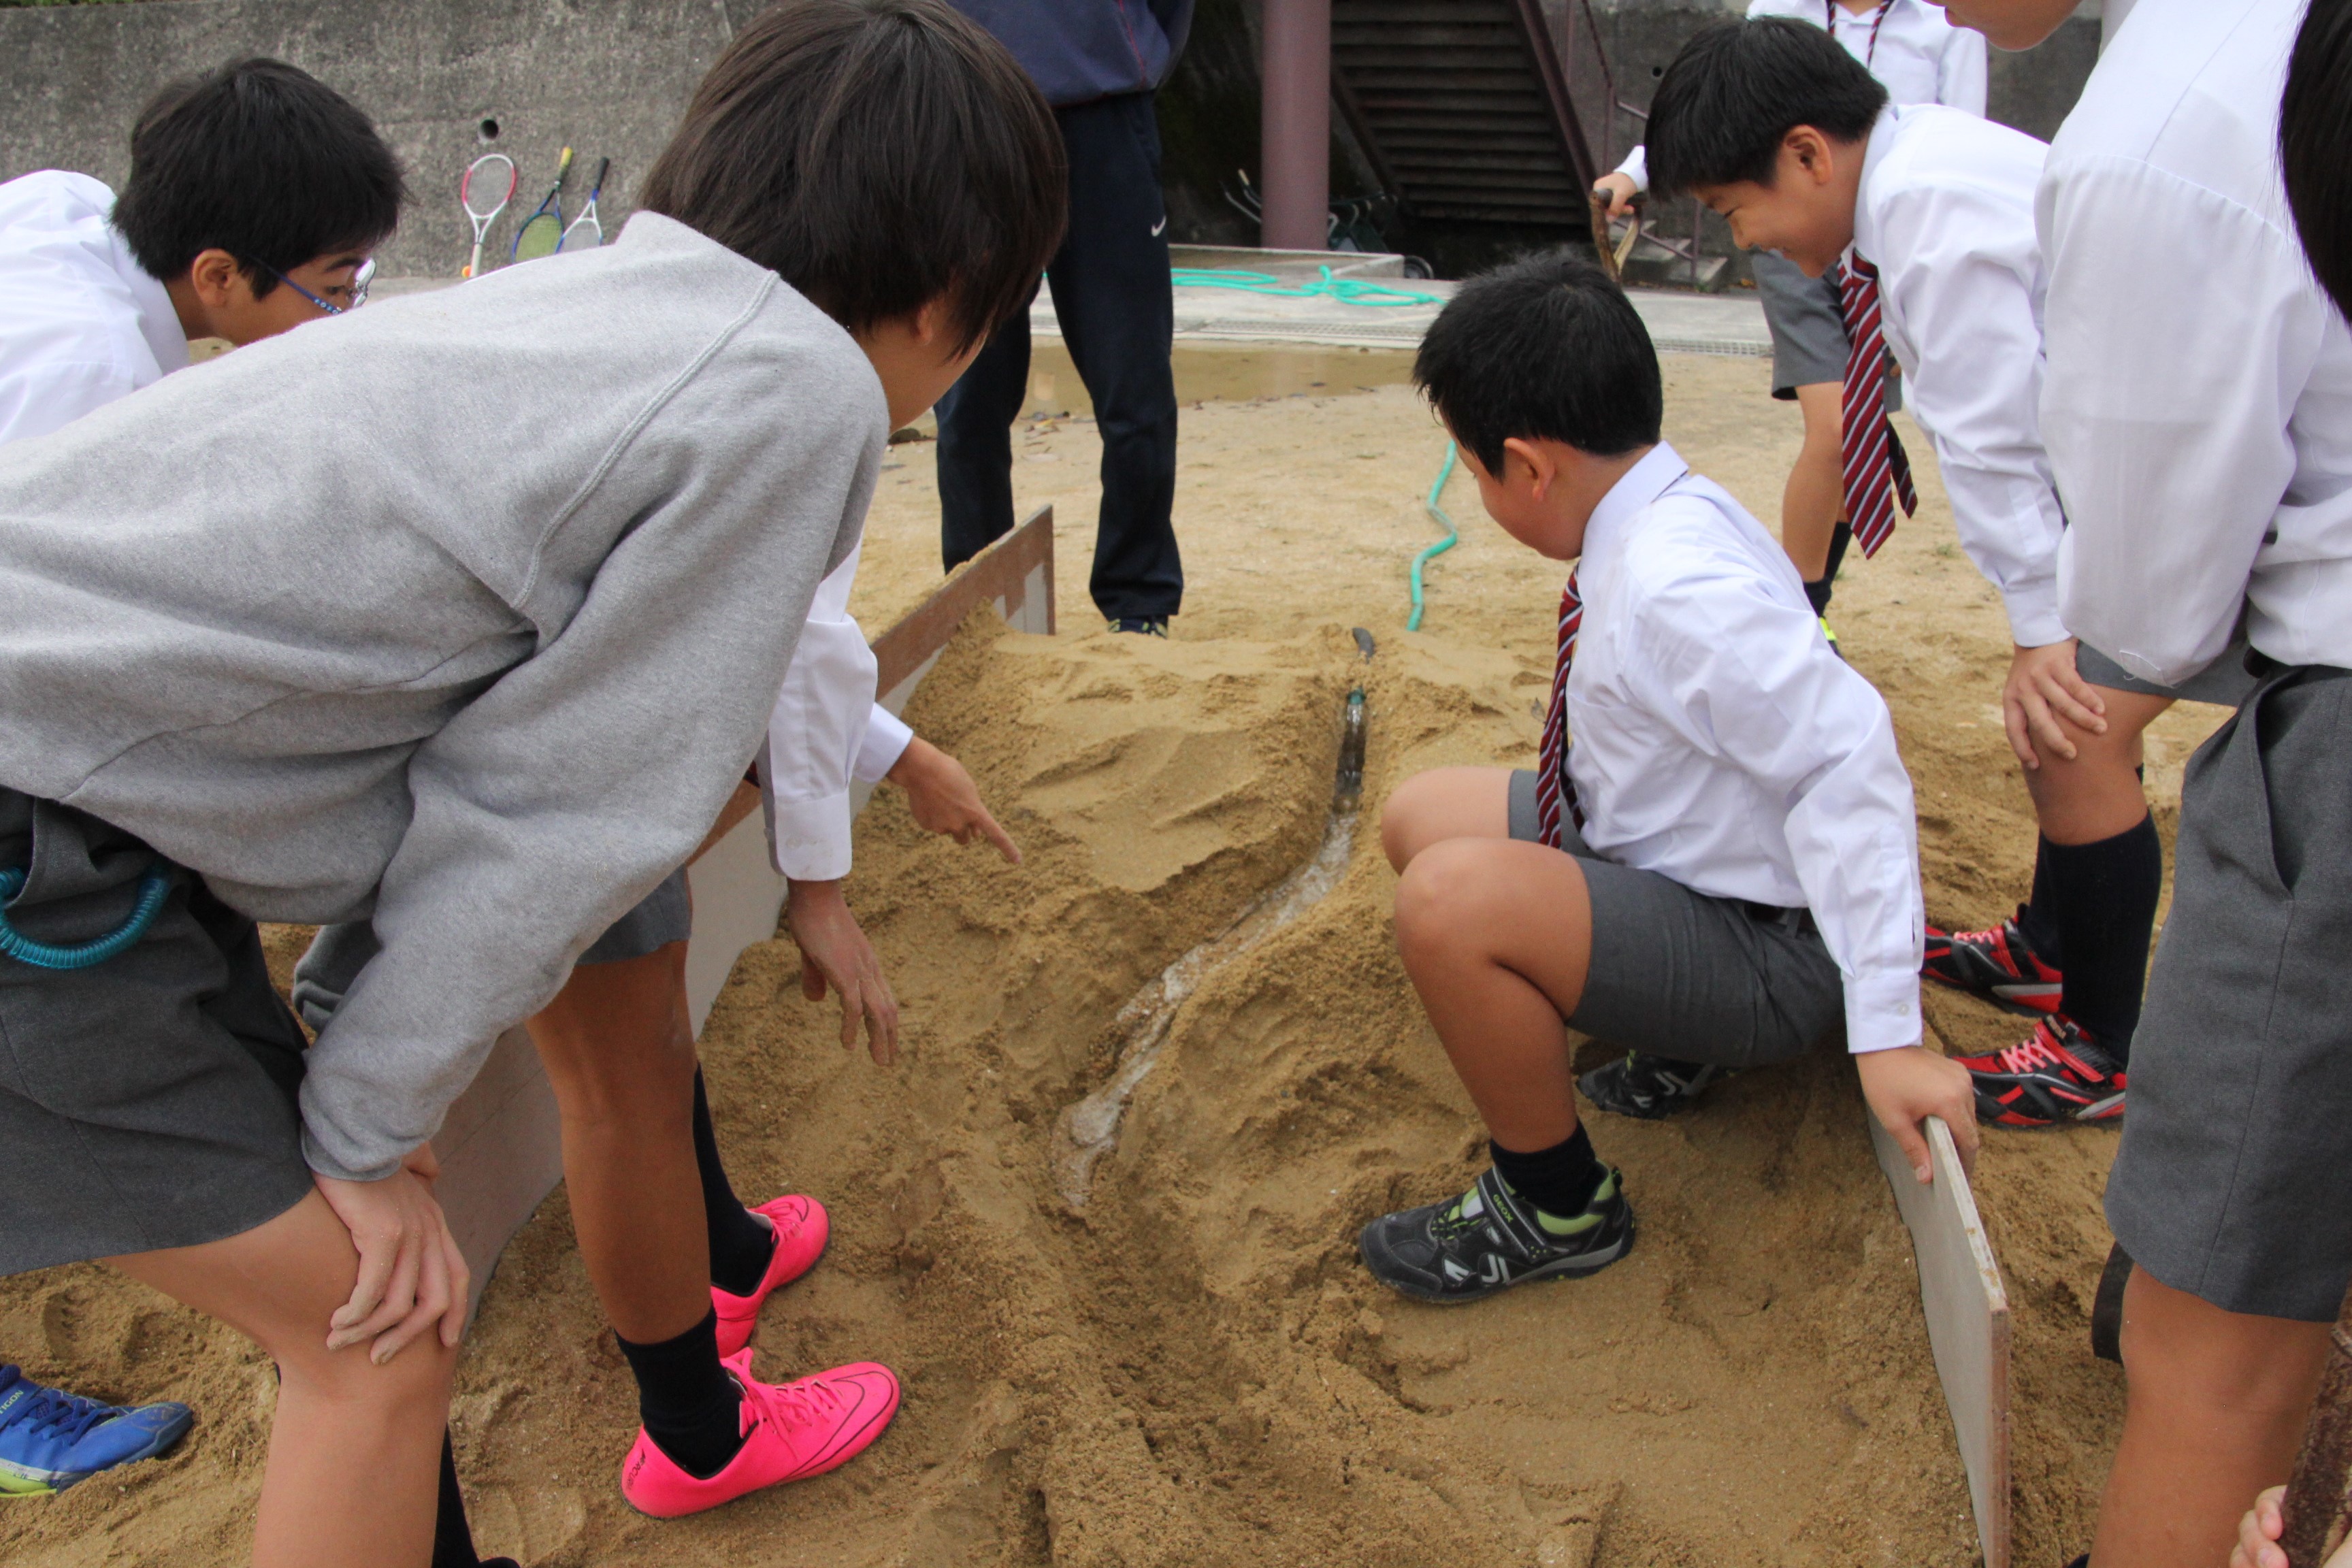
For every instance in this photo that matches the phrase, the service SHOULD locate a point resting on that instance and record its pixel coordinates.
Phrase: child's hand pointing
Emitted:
(943, 798)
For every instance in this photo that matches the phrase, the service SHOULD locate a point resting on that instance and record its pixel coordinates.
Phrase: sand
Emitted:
(1194, 1369)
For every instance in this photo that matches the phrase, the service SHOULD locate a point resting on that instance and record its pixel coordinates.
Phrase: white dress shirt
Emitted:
(1945, 211)
(1716, 739)
(2198, 403)
(1920, 58)
(826, 732)
(81, 323)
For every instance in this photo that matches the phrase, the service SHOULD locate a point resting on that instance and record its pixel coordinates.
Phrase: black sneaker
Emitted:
(1647, 1085)
(1147, 625)
(1490, 1238)
(1999, 965)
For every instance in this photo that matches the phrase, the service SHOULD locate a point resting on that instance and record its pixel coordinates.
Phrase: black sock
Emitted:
(2038, 918)
(1559, 1179)
(691, 1408)
(2105, 897)
(1818, 591)
(453, 1540)
(739, 1245)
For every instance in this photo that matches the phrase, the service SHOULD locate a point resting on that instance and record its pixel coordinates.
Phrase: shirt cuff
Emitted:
(1882, 1013)
(2033, 615)
(879, 749)
(1636, 167)
(811, 838)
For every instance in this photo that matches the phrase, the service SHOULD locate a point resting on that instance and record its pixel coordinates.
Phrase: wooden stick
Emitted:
(2317, 1496)
(1599, 206)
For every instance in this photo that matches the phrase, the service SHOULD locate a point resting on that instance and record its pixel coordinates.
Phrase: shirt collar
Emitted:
(1883, 134)
(159, 323)
(1660, 468)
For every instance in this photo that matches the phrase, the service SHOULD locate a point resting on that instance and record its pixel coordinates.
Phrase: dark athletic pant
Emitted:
(1117, 310)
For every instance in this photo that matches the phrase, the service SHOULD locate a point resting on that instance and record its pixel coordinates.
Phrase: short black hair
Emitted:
(2315, 134)
(261, 160)
(877, 155)
(1735, 90)
(1545, 349)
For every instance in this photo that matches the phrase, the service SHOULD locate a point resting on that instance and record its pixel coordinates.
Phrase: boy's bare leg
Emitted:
(355, 1448)
(2215, 1413)
(618, 1046)
(1496, 936)
(1442, 803)
(2097, 793)
(1814, 497)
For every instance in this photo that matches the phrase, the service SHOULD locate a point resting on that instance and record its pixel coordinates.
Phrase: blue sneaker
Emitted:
(50, 1439)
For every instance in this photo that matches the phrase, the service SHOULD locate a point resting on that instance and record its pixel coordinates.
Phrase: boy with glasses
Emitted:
(256, 196)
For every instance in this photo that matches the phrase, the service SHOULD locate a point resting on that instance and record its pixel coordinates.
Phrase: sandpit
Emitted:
(1193, 1369)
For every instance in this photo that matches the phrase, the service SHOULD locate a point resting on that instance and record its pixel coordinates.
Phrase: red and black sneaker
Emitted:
(2059, 1075)
(1999, 966)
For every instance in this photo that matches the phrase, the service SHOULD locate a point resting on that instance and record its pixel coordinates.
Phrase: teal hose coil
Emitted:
(153, 888)
(1437, 514)
(1346, 291)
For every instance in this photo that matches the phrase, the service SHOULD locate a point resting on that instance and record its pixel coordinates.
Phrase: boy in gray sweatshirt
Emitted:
(464, 613)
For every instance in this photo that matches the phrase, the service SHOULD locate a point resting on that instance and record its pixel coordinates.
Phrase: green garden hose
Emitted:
(1346, 291)
(1437, 515)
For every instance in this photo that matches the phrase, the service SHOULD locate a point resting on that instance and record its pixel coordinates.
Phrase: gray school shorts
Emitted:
(1807, 318)
(148, 1101)
(2234, 1181)
(1696, 978)
(336, 954)
(2225, 681)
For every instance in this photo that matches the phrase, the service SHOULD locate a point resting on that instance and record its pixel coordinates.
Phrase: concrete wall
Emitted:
(608, 76)
(611, 78)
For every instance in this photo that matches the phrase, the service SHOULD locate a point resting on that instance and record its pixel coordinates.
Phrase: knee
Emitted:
(418, 1379)
(1442, 895)
(1410, 819)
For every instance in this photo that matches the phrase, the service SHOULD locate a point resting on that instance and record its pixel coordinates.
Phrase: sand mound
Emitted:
(1193, 1370)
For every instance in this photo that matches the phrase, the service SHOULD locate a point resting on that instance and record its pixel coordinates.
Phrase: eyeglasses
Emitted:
(360, 278)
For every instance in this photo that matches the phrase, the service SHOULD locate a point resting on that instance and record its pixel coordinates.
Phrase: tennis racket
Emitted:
(587, 233)
(542, 231)
(484, 193)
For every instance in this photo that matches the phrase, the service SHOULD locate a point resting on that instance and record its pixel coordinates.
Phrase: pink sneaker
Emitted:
(802, 1230)
(791, 1431)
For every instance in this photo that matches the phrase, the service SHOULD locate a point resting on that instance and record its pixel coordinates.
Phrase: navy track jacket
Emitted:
(1080, 51)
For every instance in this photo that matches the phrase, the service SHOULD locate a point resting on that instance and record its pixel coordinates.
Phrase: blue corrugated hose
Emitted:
(153, 888)
(1437, 515)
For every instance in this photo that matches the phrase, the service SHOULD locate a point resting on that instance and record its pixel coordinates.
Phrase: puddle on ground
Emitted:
(1226, 372)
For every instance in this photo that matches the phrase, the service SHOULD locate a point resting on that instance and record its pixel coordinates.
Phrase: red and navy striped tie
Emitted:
(1873, 452)
(1553, 785)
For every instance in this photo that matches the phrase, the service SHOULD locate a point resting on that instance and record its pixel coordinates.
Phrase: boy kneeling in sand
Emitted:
(1720, 867)
(274, 643)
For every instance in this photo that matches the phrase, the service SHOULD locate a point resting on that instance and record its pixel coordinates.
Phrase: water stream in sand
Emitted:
(1089, 1130)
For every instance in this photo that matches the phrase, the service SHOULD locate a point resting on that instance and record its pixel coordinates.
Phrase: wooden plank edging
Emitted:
(1966, 1308)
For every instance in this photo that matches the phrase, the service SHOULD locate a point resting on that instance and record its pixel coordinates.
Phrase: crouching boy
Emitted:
(466, 612)
(1715, 860)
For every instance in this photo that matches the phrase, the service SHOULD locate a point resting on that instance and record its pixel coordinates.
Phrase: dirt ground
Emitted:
(1194, 1369)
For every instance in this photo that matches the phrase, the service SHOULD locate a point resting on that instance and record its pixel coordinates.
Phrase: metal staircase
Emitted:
(1483, 111)
(1462, 108)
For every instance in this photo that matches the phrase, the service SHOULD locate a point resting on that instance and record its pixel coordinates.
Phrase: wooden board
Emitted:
(502, 1146)
(1967, 1308)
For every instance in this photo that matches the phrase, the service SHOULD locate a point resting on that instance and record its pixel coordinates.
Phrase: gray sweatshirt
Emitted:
(466, 609)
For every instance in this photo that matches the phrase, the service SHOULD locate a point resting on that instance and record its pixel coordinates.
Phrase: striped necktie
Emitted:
(1552, 783)
(1873, 452)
